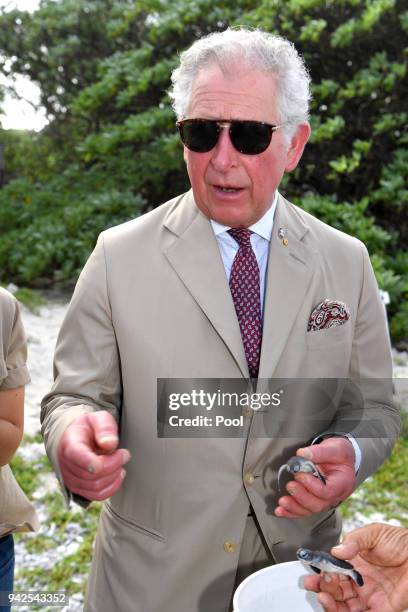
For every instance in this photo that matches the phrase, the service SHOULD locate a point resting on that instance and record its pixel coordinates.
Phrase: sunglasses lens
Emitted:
(250, 137)
(199, 135)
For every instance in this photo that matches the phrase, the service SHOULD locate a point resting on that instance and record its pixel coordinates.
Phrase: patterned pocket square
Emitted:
(329, 313)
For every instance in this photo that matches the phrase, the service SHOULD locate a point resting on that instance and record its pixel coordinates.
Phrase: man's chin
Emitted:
(232, 216)
(235, 222)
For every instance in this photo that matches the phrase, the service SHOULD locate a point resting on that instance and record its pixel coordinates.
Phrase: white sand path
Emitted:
(42, 330)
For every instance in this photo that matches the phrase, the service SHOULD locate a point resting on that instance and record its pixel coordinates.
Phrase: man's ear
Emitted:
(297, 144)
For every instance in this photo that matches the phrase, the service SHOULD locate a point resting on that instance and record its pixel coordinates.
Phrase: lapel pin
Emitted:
(282, 232)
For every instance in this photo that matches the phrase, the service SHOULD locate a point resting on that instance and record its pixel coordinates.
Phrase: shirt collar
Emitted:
(263, 227)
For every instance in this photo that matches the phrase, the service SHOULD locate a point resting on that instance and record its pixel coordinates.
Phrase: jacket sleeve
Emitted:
(86, 365)
(368, 412)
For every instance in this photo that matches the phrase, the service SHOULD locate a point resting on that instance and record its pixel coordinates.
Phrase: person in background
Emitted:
(16, 512)
(229, 280)
(380, 553)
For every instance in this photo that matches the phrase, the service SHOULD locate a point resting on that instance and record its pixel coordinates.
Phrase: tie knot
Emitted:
(242, 236)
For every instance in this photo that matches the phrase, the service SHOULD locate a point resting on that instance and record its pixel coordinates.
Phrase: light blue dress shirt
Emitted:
(260, 240)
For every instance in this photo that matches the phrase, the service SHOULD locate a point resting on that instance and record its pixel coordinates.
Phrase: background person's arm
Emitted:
(13, 376)
(11, 422)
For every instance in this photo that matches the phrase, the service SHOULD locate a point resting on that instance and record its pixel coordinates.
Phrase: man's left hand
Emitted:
(334, 458)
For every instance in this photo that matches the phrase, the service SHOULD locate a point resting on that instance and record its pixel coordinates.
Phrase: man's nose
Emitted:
(224, 154)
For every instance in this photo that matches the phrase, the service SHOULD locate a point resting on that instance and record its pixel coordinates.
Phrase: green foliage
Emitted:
(312, 30)
(59, 46)
(71, 570)
(111, 150)
(31, 299)
(50, 237)
(385, 491)
(404, 426)
(328, 129)
(349, 218)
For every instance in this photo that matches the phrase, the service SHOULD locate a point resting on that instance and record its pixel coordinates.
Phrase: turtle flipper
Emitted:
(315, 569)
(320, 475)
(281, 469)
(357, 577)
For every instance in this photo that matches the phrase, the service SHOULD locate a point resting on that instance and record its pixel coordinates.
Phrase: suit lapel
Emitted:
(289, 273)
(196, 259)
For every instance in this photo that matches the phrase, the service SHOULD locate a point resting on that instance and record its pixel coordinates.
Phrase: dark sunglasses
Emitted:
(248, 137)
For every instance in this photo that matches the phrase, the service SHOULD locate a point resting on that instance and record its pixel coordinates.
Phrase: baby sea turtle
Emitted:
(320, 561)
(299, 464)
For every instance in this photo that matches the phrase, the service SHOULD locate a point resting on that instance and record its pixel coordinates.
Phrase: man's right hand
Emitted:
(90, 462)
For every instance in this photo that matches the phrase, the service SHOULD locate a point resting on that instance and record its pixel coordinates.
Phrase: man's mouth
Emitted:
(228, 189)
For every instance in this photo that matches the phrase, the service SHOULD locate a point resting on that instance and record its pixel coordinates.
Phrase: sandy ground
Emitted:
(42, 331)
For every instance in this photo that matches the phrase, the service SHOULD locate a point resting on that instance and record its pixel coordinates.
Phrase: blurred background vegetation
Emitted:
(111, 152)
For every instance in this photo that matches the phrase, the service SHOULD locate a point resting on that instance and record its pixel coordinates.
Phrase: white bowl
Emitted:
(274, 589)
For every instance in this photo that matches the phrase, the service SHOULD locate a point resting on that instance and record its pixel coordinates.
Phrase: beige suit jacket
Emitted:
(153, 302)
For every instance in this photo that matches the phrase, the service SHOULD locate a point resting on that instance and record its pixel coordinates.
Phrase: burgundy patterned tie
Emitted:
(245, 290)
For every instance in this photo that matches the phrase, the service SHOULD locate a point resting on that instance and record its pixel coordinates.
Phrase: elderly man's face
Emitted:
(230, 187)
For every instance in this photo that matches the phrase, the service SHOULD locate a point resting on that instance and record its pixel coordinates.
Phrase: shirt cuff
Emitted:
(357, 450)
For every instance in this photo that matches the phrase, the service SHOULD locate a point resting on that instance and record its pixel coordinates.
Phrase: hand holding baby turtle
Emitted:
(299, 464)
(320, 561)
(334, 460)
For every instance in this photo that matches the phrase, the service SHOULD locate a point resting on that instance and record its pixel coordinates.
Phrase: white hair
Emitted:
(256, 50)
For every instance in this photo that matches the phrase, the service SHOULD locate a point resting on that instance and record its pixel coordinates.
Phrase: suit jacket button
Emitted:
(229, 546)
(249, 478)
(247, 412)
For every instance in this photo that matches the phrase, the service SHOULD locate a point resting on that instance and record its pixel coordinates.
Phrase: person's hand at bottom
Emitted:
(380, 553)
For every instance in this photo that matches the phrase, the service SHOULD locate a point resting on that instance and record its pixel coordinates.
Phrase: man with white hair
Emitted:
(231, 281)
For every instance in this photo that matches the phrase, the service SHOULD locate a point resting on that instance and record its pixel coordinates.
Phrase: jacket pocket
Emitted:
(333, 336)
(147, 531)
